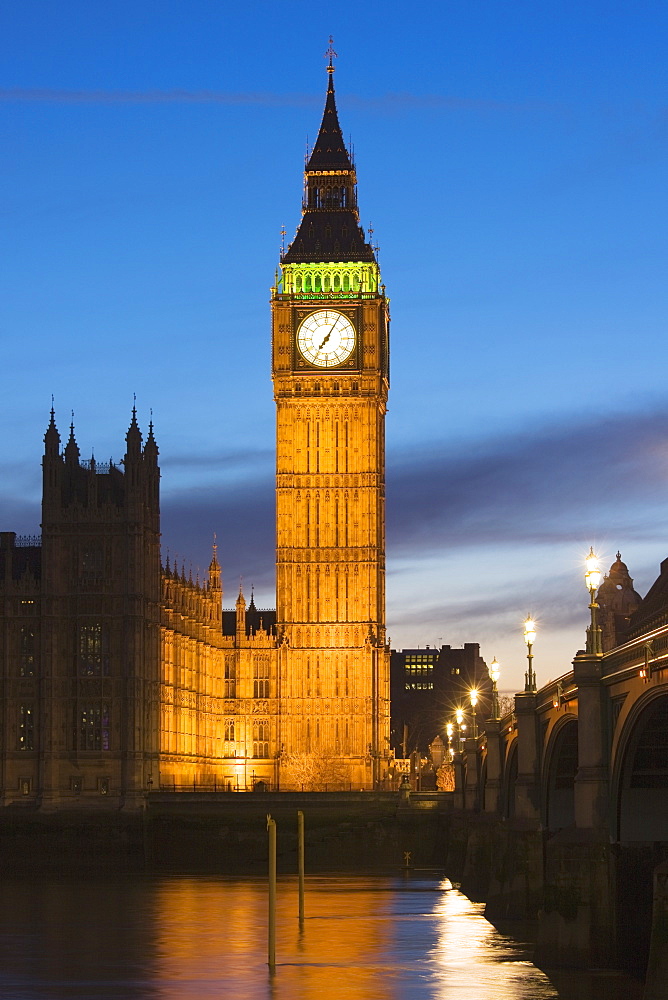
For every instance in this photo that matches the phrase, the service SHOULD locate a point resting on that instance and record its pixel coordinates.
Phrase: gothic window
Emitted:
(261, 738)
(91, 566)
(93, 727)
(230, 678)
(26, 728)
(229, 745)
(27, 646)
(261, 677)
(93, 650)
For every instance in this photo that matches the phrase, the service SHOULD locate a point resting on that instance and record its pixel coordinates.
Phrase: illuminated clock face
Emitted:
(326, 338)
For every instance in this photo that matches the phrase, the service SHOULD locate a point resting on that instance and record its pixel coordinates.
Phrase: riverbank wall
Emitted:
(227, 833)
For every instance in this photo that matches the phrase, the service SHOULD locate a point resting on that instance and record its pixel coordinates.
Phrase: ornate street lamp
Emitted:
(473, 697)
(592, 580)
(459, 715)
(494, 671)
(448, 730)
(529, 636)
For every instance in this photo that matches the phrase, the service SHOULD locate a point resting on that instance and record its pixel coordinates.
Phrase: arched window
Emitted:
(261, 739)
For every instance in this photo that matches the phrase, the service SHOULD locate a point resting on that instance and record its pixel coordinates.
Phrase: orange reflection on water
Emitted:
(214, 931)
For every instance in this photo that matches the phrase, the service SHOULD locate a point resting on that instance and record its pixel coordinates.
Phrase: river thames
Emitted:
(150, 937)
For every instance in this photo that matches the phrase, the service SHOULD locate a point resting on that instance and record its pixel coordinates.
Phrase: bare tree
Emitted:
(312, 772)
(506, 705)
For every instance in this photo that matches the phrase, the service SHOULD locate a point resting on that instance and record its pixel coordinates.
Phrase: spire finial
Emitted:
(331, 55)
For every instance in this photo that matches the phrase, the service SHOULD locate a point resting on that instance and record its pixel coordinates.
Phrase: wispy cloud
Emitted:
(384, 103)
(221, 461)
(44, 95)
(549, 483)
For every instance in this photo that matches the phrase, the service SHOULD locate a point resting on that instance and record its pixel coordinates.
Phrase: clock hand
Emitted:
(326, 339)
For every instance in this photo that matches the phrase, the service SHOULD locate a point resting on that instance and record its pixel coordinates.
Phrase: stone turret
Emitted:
(617, 601)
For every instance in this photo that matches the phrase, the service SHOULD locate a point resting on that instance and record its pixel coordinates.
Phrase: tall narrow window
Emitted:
(229, 744)
(261, 738)
(26, 728)
(230, 678)
(27, 648)
(94, 727)
(93, 650)
(91, 565)
(261, 677)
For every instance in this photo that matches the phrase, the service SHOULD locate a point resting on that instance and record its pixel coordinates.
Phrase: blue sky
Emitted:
(512, 160)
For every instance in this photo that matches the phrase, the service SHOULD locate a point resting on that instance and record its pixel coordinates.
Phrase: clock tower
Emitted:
(330, 369)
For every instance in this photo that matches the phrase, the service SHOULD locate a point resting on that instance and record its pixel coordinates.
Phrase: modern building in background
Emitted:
(427, 686)
(119, 674)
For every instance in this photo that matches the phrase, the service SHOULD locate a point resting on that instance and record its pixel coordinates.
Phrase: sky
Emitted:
(512, 162)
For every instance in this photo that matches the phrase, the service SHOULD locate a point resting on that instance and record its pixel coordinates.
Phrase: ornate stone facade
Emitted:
(118, 675)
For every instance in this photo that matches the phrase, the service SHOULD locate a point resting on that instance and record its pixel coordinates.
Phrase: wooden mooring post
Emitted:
(300, 855)
(271, 937)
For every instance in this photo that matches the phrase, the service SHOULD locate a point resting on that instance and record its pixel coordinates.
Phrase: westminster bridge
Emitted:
(564, 803)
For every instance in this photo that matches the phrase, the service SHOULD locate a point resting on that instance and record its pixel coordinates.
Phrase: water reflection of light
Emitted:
(180, 938)
(213, 931)
(471, 958)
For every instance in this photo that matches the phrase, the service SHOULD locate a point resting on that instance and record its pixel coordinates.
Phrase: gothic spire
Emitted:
(52, 437)
(329, 152)
(72, 448)
(330, 229)
(151, 447)
(133, 437)
(214, 568)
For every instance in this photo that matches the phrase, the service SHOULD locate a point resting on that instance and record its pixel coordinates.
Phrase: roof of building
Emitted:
(653, 609)
(329, 230)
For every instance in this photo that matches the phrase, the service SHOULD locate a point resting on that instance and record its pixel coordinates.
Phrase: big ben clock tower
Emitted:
(330, 372)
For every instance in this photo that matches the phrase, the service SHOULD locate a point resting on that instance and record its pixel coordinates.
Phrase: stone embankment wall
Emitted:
(227, 833)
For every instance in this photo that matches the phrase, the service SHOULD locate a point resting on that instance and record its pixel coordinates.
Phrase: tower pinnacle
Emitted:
(331, 55)
(330, 230)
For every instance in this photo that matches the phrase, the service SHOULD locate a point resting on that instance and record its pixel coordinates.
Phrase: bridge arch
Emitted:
(561, 765)
(639, 784)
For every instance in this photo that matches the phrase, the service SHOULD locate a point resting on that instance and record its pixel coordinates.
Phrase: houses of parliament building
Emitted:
(118, 674)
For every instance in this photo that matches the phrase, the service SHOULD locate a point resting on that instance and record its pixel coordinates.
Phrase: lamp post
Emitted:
(494, 672)
(592, 580)
(459, 715)
(473, 697)
(529, 636)
(448, 730)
